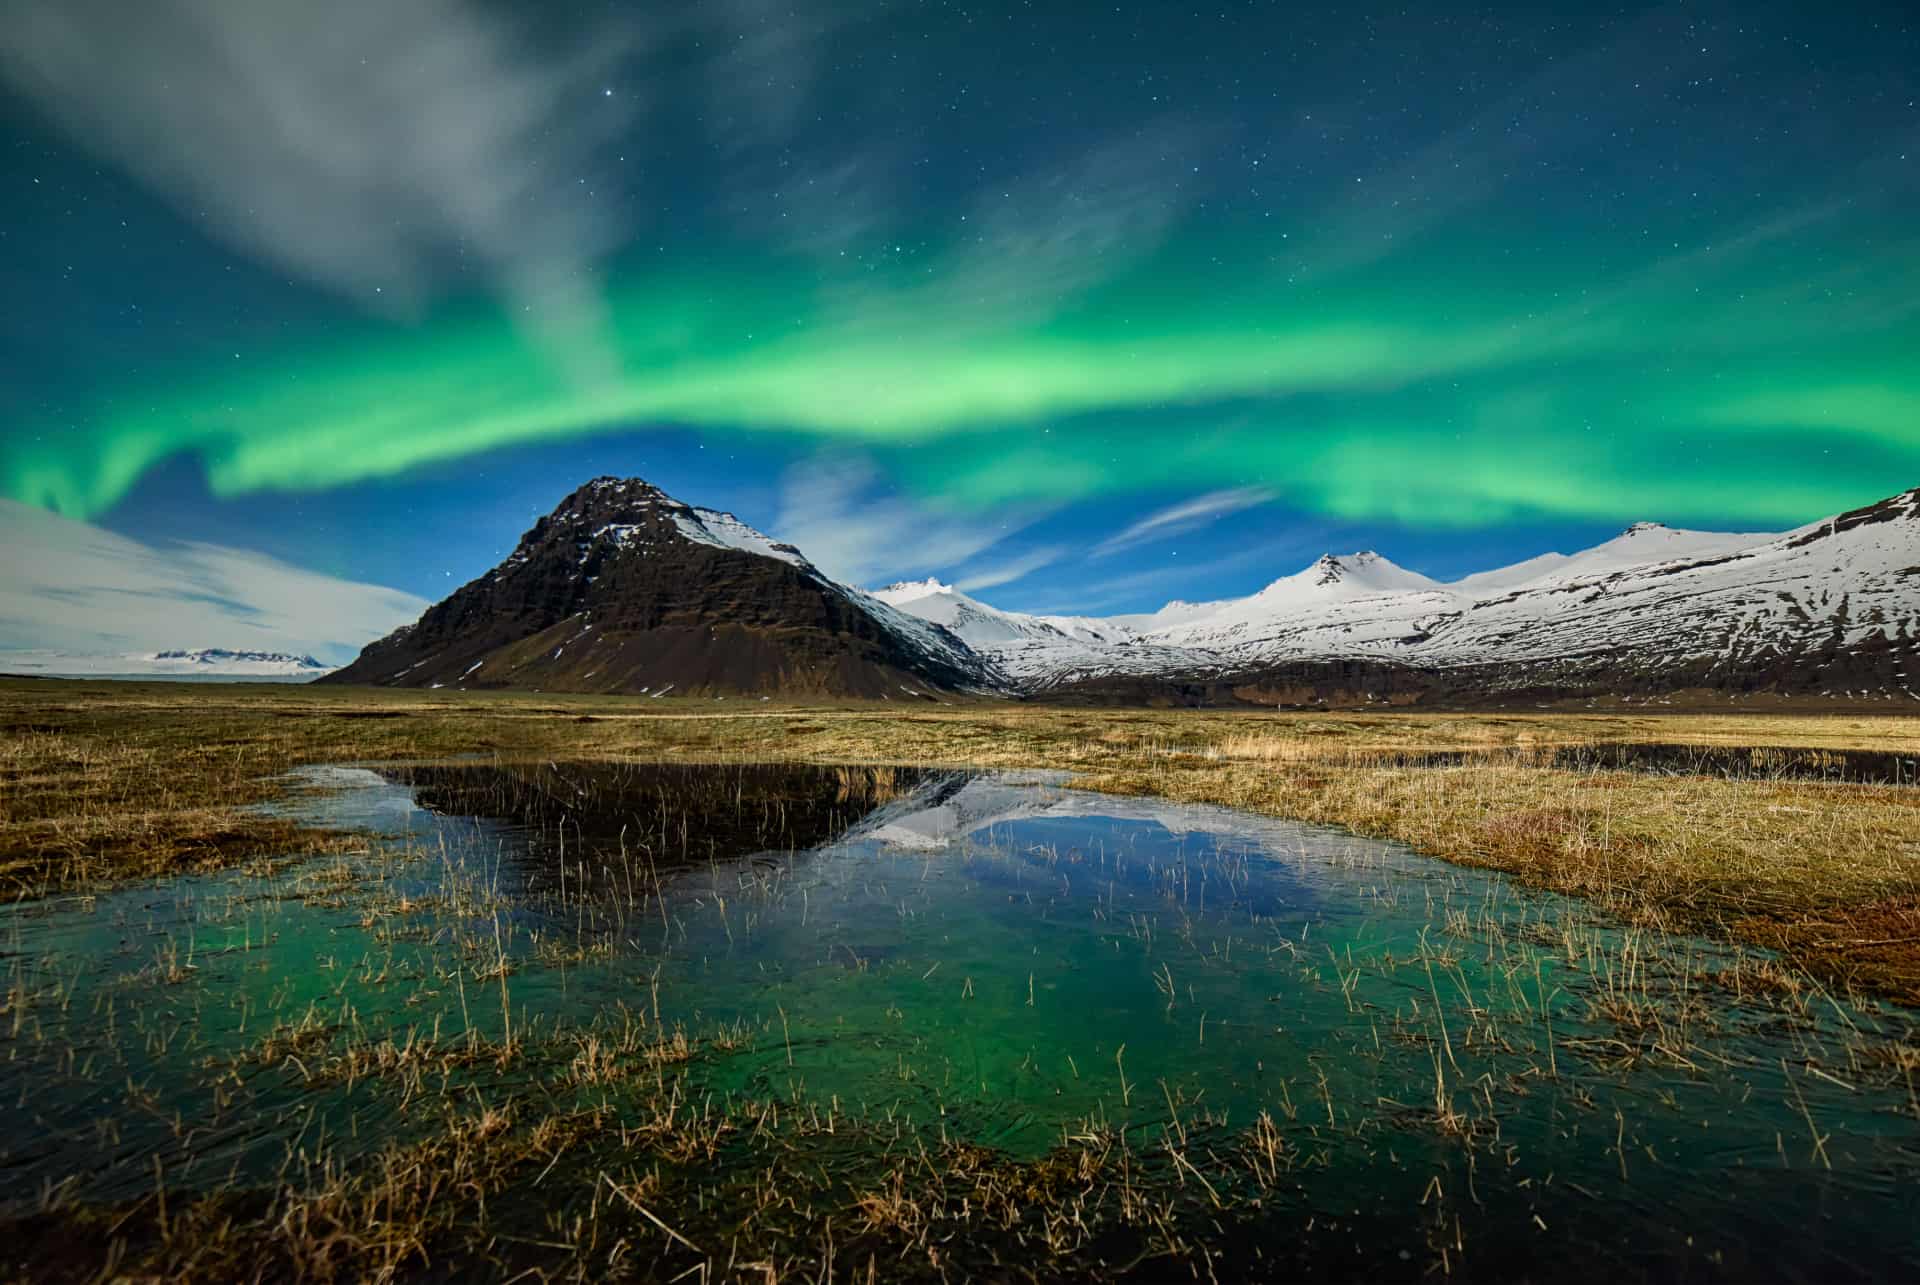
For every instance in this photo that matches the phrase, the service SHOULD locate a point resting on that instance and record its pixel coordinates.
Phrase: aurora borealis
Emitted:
(1468, 278)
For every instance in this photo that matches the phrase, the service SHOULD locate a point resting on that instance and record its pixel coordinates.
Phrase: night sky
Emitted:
(1086, 307)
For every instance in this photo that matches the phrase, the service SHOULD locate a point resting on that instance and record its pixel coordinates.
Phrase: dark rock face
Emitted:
(624, 589)
(1904, 507)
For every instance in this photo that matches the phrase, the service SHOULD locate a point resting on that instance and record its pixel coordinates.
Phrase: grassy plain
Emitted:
(106, 781)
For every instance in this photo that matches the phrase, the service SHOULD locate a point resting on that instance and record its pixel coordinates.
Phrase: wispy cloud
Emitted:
(1034, 244)
(832, 509)
(758, 64)
(377, 148)
(1010, 570)
(1186, 516)
(72, 587)
(1058, 233)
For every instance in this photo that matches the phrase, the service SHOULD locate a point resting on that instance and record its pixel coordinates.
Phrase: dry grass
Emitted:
(101, 781)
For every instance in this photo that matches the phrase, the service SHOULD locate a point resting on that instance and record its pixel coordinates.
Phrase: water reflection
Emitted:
(997, 959)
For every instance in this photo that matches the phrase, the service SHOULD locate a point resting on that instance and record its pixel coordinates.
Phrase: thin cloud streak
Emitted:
(1186, 516)
(1010, 571)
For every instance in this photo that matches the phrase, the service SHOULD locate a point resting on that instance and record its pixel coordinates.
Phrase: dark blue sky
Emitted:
(1087, 307)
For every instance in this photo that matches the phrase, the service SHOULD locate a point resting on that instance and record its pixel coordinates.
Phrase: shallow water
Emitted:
(993, 958)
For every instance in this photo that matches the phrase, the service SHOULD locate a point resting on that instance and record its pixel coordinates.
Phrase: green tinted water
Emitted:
(995, 959)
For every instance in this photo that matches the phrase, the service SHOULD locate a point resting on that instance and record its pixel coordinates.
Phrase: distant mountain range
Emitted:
(205, 662)
(626, 589)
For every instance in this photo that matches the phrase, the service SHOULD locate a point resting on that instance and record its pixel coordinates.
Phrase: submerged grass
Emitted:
(668, 1186)
(106, 781)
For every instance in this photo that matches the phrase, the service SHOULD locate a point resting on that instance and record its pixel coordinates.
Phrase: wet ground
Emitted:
(1443, 1073)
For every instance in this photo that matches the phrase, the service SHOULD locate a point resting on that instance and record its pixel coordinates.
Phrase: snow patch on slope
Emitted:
(725, 531)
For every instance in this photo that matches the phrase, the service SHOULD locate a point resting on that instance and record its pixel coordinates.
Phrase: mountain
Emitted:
(1030, 652)
(205, 662)
(1642, 544)
(982, 626)
(623, 588)
(222, 660)
(1360, 591)
(1832, 608)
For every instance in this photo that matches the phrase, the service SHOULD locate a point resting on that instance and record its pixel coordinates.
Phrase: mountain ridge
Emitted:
(200, 662)
(1654, 609)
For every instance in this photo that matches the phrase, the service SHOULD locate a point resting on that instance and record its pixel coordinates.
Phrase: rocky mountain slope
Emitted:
(623, 588)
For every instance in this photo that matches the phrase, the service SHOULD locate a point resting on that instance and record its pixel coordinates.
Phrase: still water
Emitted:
(1448, 1062)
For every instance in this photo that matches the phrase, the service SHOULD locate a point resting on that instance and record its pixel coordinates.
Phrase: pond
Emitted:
(1194, 1039)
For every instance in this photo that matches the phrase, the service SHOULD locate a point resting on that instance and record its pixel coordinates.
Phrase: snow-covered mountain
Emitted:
(1831, 607)
(1642, 544)
(205, 662)
(1029, 652)
(224, 661)
(1834, 605)
(984, 626)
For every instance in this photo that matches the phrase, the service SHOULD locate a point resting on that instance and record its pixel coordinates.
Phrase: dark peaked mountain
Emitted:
(623, 588)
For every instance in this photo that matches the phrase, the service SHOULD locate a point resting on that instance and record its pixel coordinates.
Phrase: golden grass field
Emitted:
(105, 781)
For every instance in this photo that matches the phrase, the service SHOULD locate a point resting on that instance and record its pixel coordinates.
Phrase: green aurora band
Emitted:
(1461, 384)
